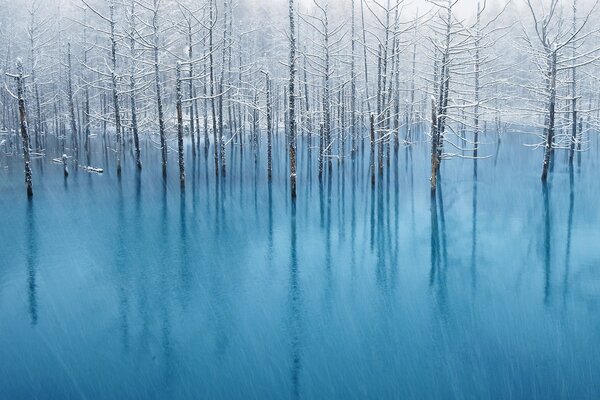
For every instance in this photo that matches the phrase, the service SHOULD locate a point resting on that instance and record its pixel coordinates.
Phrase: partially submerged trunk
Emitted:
(180, 127)
(158, 83)
(212, 87)
(191, 88)
(132, 88)
(115, 92)
(292, 100)
(74, 134)
(24, 128)
(269, 130)
(551, 116)
(372, 136)
(435, 160)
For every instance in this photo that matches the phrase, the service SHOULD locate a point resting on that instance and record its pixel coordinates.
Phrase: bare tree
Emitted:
(180, 149)
(549, 47)
(292, 101)
(23, 125)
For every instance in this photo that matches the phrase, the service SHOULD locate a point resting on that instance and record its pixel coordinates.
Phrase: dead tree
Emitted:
(158, 82)
(23, 125)
(551, 113)
(212, 22)
(292, 101)
(221, 90)
(180, 148)
(269, 128)
(372, 147)
(453, 44)
(353, 81)
(574, 124)
(74, 133)
(115, 93)
(110, 20)
(37, 30)
(435, 139)
(133, 86)
(86, 106)
(551, 39)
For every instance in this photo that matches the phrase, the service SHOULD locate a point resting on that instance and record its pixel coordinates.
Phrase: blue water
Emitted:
(125, 288)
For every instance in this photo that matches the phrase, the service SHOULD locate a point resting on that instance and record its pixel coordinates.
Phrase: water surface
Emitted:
(126, 288)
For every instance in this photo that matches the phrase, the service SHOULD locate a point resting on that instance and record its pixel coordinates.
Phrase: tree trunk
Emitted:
(24, 128)
(372, 137)
(551, 116)
(180, 127)
(353, 84)
(115, 92)
(74, 140)
(191, 88)
(435, 161)
(159, 104)
(291, 101)
(212, 86)
(269, 131)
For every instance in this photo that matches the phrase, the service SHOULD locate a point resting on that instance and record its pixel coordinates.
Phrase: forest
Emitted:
(321, 199)
(345, 76)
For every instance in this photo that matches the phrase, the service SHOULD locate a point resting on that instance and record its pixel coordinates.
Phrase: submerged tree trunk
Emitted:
(212, 86)
(65, 165)
(158, 84)
(115, 92)
(86, 105)
(221, 91)
(269, 130)
(180, 127)
(551, 116)
(327, 91)
(435, 161)
(372, 136)
(132, 89)
(364, 40)
(159, 104)
(477, 83)
(24, 128)
(292, 100)
(411, 119)
(74, 134)
(321, 150)
(191, 88)
(573, 89)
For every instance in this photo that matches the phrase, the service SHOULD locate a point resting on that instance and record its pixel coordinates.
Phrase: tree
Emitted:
(19, 77)
(548, 48)
(292, 101)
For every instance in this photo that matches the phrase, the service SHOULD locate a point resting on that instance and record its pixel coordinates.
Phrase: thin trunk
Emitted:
(269, 131)
(24, 128)
(372, 160)
(221, 90)
(551, 116)
(435, 161)
(115, 92)
(74, 140)
(191, 88)
(158, 84)
(132, 89)
(573, 89)
(292, 100)
(477, 84)
(364, 38)
(180, 127)
(353, 83)
(212, 85)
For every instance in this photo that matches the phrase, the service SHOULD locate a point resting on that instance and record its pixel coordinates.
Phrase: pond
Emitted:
(127, 288)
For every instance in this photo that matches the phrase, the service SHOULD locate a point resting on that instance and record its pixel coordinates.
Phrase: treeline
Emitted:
(342, 73)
